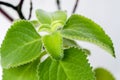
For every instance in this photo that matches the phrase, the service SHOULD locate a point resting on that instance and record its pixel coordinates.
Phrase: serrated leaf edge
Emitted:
(23, 63)
(98, 43)
(62, 51)
(95, 42)
(91, 68)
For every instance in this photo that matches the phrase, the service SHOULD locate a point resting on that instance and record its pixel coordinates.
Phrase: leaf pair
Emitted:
(79, 28)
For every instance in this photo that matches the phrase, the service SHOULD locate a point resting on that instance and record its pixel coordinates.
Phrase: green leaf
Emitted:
(87, 51)
(43, 16)
(24, 72)
(103, 74)
(55, 19)
(44, 27)
(81, 28)
(35, 23)
(74, 66)
(59, 16)
(69, 43)
(53, 44)
(43, 69)
(21, 45)
(58, 19)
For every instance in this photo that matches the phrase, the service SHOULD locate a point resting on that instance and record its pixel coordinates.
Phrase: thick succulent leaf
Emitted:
(24, 72)
(54, 45)
(74, 66)
(21, 45)
(81, 28)
(103, 74)
(51, 18)
(67, 43)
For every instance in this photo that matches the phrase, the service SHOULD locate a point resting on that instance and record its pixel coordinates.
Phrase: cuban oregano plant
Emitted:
(28, 55)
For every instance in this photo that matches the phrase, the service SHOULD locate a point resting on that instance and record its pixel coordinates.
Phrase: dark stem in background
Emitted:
(7, 4)
(75, 6)
(6, 15)
(31, 7)
(58, 4)
(17, 8)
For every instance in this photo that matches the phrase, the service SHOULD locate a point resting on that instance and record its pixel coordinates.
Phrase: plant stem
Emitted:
(19, 9)
(31, 7)
(75, 6)
(58, 4)
(7, 4)
(6, 15)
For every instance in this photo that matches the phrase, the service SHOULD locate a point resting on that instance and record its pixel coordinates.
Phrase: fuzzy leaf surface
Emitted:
(103, 74)
(81, 28)
(51, 17)
(43, 16)
(74, 66)
(21, 45)
(24, 72)
(59, 16)
(53, 44)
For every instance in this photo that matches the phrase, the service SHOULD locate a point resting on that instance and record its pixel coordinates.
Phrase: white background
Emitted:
(104, 12)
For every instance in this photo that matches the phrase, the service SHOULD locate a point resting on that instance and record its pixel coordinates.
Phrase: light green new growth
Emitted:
(23, 48)
(48, 18)
(54, 20)
(53, 44)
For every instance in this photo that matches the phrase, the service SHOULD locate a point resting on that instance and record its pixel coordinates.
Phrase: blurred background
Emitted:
(104, 12)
